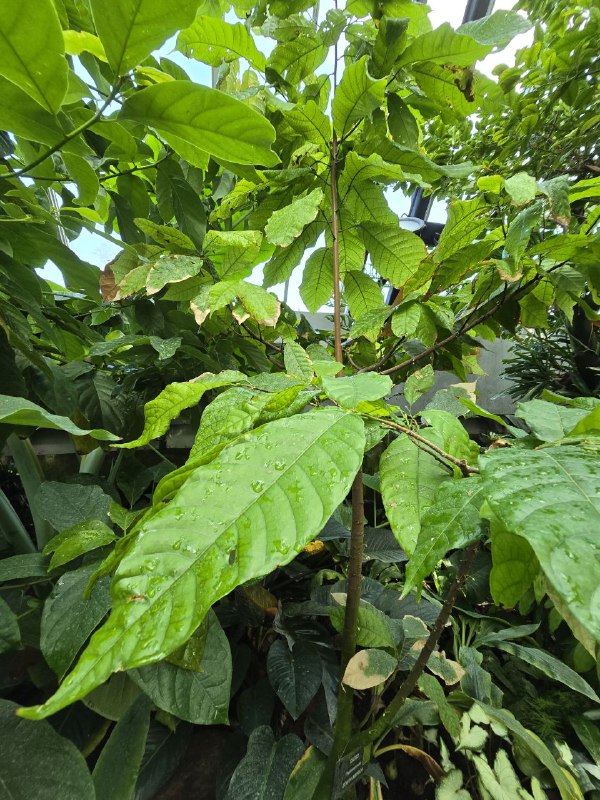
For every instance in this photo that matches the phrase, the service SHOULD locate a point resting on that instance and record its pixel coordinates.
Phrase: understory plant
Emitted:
(319, 556)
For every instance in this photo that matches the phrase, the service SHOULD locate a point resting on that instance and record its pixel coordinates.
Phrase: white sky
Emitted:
(98, 251)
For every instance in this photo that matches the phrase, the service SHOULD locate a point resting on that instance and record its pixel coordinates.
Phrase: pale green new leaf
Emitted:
(410, 479)
(171, 269)
(215, 41)
(74, 542)
(357, 95)
(362, 293)
(207, 120)
(496, 29)
(33, 50)
(396, 254)
(444, 45)
(287, 223)
(160, 412)
(317, 280)
(19, 411)
(453, 521)
(185, 559)
(259, 304)
(520, 229)
(131, 29)
(419, 382)
(350, 391)
(521, 187)
(297, 361)
(550, 498)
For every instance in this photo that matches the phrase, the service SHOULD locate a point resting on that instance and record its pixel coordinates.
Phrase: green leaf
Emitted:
(410, 479)
(550, 666)
(317, 280)
(117, 768)
(362, 293)
(306, 775)
(356, 96)
(550, 498)
(590, 424)
(296, 59)
(444, 45)
(67, 504)
(311, 122)
(266, 767)
(33, 54)
(160, 412)
(132, 29)
(215, 41)
(200, 696)
(10, 635)
(287, 223)
(521, 187)
(295, 674)
(466, 221)
(285, 259)
(455, 439)
(375, 628)
(515, 566)
(349, 392)
(448, 716)
(76, 541)
(257, 303)
(389, 43)
(68, 619)
(402, 123)
(41, 763)
(530, 742)
(419, 382)
(113, 698)
(453, 521)
(297, 361)
(29, 565)
(19, 411)
(369, 668)
(174, 571)
(171, 269)
(165, 235)
(548, 421)
(233, 253)
(190, 116)
(520, 229)
(84, 175)
(396, 254)
(496, 29)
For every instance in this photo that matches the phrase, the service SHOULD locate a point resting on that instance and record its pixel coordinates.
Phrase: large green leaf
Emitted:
(33, 51)
(116, 770)
(213, 41)
(176, 397)
(266, 767)
(19, 411)
(453, 521)
(357, 95)
(444, 46)
(199, 695)
(410, 479)
(287, 223)
(549, 421)
(317, 279)
(196, 118)
(76, 541)
(466, 221)
(67, 504)
(550, 498)
(226, 525)
(363, 294)
(395, 253)
(131, 29)
(295, 674)
(390, 41)
(350, 391)
(514, 565)
(10, 635)
(496, 29)
(38, 763)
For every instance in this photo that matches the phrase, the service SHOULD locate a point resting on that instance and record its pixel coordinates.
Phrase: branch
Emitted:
(69, 136)
(425, 445)
(386, 720)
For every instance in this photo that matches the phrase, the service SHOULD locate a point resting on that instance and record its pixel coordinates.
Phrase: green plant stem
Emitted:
(68, 136)
(343, 723)
(31, 475)
(386, 721)
(13, 529)
(337, 305)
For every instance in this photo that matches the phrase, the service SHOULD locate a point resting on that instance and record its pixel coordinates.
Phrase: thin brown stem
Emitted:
(386, 720)
(425, 444)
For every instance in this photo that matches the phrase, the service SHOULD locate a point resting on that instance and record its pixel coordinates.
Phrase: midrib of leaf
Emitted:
(27, 70)
(150, 605)
(128, 36)
(574, 482)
